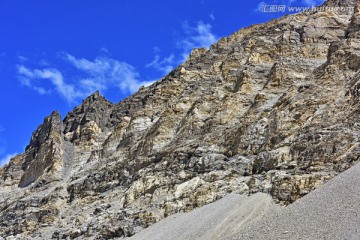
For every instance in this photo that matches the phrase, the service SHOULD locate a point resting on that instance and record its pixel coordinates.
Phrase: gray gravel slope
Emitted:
(330, 212)
(217, 220)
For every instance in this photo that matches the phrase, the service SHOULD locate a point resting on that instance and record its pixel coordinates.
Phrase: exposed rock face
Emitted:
(43, 156)
(273, 108)
(86, 122)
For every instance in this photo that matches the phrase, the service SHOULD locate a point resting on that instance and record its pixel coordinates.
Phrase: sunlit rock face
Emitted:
(44, 155)
(272, 108)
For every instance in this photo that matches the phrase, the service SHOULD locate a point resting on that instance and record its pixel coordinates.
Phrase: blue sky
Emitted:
(55, 53)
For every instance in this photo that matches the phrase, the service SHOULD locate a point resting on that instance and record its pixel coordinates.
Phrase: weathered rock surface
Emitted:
(43, 156)
(272, 108)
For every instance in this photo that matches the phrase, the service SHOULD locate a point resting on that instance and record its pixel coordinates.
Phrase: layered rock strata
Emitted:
(272, 108)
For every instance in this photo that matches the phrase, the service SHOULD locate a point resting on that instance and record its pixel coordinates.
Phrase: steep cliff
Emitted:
(272, 108)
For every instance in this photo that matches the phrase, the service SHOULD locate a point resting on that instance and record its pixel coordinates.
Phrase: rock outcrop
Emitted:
(43, 156)
(272, 108)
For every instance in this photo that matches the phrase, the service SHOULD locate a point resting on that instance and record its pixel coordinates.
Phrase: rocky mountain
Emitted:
(273, 108)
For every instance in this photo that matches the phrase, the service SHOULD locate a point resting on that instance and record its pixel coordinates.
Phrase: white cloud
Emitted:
(212, 17)
(44, 63)
(22, 58)
(259, 7)
(3, 146)
(165, 65)
(157, 49)
(27, 77)
(105, 72)
(197, 36)
(26, 82)
(104, 50)
(98, 74)
(7, 158)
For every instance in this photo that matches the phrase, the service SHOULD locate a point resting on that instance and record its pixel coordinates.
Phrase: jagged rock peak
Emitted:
(88, 119)
(43, 154)
(50, 122)
(96, 96)
(19, 168)
(55, 114)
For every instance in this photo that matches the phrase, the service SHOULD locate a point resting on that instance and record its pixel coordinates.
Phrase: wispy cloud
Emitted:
(259, 7)
(22, 58)
(54, 76)
(164, 65)
(101, 73)
(3, 146)
(104, 50)
(212, 17)
(7, 158)
(197, 36)
(104, 72)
